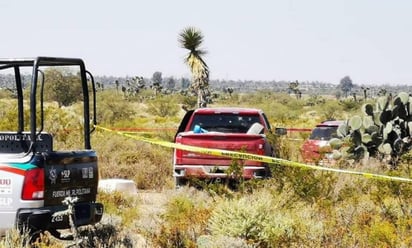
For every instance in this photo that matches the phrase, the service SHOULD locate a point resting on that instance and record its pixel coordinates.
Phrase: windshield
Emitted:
(324, 133)
(227, 123)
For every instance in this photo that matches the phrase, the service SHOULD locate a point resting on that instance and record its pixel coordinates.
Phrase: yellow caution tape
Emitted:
(254, 157)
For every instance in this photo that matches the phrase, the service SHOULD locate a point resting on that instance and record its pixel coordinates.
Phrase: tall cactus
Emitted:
(383, 132)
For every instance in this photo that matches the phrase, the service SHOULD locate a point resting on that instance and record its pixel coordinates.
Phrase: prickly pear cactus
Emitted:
(383, 132)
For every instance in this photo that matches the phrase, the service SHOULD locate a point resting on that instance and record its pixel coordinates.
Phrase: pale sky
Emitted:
(305, 40)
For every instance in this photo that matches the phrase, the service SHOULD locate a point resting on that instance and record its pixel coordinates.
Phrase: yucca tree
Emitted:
(191, 39)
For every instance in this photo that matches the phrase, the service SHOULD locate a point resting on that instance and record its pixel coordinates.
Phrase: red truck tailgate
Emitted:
(248, 143)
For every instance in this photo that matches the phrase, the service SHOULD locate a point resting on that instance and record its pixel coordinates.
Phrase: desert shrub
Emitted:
(382, 234)
(350, 105)
(345, 224)
(154, 171)
(142, 96)
(314, 99)
(62, 86)
(330, 110)
(212, 187)
(179, 228)
(105, 235)
(207, 241)
(281, 113)
(14, 238)
(364, 213)
(406, 162)
(242, 218)
(8, 114)
(307, 185)
(163, 106)
(119, 204)
(282, 146)
(189, 102)
(65, 124)
(166, 135)
(5, 94)
(393, 198)
(23, 239)
(260, 219)
(281, 109)
(112, 108)
(226, 100)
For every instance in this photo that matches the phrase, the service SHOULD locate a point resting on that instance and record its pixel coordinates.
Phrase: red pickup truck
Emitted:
(234, 129)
